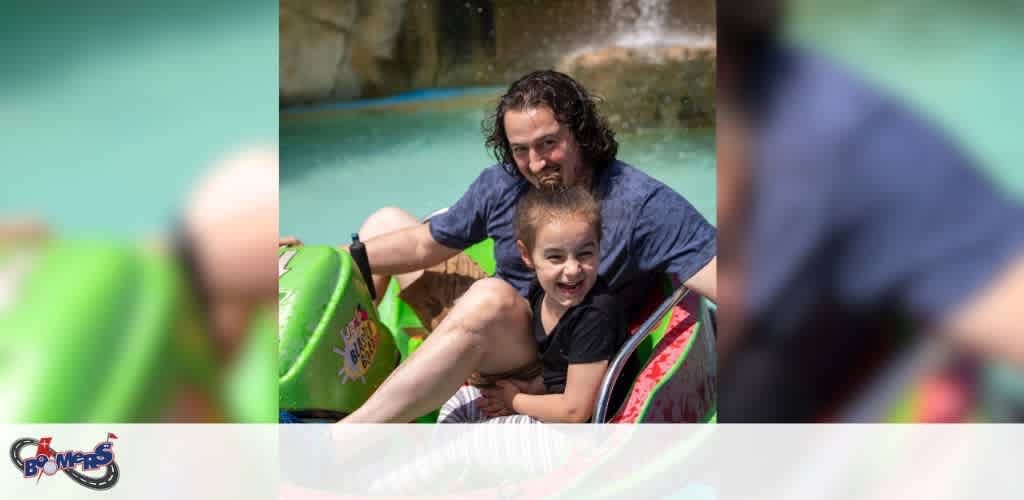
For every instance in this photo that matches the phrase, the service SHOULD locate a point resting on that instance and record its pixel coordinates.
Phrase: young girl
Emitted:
(576, 322)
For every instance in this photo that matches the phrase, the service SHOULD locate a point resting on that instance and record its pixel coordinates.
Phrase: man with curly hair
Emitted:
(546, 132)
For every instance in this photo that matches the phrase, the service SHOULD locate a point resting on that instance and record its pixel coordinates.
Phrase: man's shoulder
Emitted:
(831, 125)
(495, 183)
(498, 175)
(821, 100)
(629, 184)
(820, 125)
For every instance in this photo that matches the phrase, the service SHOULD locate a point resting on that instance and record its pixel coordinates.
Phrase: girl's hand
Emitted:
(506, 391)
(490, 405)
(497, 401)
(533, 386)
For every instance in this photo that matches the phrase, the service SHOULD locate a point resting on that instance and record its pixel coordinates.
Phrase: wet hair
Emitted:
(542, 206)
(573, 107)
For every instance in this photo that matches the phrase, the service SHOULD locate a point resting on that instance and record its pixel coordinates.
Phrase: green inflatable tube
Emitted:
(249, 391)
(333, 352)
(335, 346)
(106, 332)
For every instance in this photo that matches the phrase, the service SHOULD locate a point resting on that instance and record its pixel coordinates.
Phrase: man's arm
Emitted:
(670, 235)
(405, 250)
(401, 251)
(705, 281)
(990, 323)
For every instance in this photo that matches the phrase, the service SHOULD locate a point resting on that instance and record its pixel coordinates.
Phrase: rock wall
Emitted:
(315, 44)
(346, 49)
(329, 49)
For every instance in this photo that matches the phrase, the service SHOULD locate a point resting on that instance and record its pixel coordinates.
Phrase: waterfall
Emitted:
(652, 69)
(642, 23)
(639, 22)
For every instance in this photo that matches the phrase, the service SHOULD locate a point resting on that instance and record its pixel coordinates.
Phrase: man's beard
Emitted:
(551, 178)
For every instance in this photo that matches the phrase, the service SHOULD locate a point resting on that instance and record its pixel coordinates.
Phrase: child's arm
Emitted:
(575, 405)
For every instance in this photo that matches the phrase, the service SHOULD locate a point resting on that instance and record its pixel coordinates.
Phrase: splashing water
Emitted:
(642, 23)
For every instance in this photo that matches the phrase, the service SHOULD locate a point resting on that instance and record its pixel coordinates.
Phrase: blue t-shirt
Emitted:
(647, 228)
(865, 220)
(861, 199)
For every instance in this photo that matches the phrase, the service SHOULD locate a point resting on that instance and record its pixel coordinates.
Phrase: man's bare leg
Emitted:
(487, 330)
(384, 221)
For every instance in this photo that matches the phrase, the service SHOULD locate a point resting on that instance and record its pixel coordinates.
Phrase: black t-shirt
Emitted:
(594, 330)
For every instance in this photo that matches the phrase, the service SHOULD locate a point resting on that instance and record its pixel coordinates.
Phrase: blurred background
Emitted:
(112, 110)
(870, 194)
(389, 96)
(953, 61)
(135, 135)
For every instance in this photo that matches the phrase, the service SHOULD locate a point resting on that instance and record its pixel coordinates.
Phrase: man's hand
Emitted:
(289, 241)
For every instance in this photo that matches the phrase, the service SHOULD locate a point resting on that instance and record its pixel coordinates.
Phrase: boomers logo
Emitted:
(49, 462)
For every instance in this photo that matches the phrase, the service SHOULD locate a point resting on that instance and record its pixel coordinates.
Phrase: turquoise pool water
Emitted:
(336, 169)
(958, 62)
(107, 122)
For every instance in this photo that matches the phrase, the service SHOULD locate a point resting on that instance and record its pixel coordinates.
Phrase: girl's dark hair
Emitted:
(572, 106)
(541, 206)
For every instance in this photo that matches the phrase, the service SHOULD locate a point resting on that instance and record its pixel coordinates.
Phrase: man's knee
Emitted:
(386, 220)
(494, 294)
(493, 300)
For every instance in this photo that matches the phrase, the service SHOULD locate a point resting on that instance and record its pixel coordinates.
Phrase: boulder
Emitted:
(657, 86)
(315, 44)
